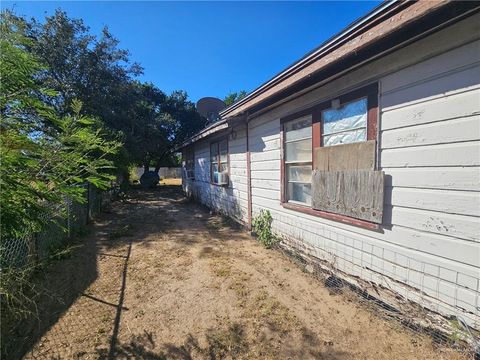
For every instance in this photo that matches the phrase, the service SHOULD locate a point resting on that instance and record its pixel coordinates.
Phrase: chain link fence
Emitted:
(31, 291)
(65, 221)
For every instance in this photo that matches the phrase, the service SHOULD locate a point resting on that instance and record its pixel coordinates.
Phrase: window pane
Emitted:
(299, 150)
(298, 129)
(350, 116)
(214, 167)
(223, 145)
(213, 150)
(299, 192)
(346, 137)
(301, 173)
(223, 157)
(223, 167)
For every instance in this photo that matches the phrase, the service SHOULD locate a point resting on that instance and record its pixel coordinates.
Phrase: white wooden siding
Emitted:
(430, 153)
(231, 200)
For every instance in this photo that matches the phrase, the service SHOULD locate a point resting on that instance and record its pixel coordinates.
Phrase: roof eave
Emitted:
(211, 130)
(318, 52)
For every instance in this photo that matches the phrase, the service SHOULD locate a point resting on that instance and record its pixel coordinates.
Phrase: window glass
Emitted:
(346, 124)
(223, 157)
(214, 150)
(302, 173)
(298, 151)
(298, 129)
(298, 156)
(223, 167)
(218, 159)
(189, 159)
(300, 192)
(223, 146)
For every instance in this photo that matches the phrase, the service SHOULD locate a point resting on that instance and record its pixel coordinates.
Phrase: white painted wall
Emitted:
(430, 152)
(231, 200)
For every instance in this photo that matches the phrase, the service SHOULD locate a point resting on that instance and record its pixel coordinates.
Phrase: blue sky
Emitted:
(210, 48)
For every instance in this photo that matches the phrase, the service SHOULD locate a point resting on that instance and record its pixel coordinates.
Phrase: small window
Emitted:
(298, 159)
(189, 163)
(219, 162)
(346, 124)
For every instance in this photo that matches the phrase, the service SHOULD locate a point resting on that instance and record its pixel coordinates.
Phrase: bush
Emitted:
(262, 227)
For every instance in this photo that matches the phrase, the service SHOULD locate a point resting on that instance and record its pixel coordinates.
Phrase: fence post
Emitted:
(68, 216)
(88, 203)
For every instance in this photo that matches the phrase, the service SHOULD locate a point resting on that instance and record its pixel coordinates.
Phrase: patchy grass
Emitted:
(125, 230)
(200, 289)
(220, 266)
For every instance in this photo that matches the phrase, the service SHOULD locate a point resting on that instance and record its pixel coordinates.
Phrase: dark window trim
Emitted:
(218, 141)
(189, 155)
(371, 93)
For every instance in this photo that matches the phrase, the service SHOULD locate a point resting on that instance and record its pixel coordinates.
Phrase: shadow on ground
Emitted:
(71, 287)
(229, 344)
(160, 277)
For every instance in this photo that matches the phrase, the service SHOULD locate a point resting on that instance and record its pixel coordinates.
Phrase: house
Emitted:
(366, 152)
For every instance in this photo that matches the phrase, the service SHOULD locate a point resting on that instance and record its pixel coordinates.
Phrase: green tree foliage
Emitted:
(44, 154)
(147, 136)
(97, 72)
(82, 66)
(233, 97)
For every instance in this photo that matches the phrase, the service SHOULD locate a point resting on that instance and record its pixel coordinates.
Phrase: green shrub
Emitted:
(262, 227)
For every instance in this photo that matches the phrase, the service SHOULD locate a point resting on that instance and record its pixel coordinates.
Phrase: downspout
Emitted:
(249, 181)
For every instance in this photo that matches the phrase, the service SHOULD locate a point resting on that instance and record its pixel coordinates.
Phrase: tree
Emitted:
(44, 153)
(82, 66)
(100, 74)
(233, 97)
(147, 139)
(183, 120)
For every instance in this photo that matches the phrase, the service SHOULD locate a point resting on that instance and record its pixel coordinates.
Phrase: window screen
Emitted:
(345, 125)
(298, 159)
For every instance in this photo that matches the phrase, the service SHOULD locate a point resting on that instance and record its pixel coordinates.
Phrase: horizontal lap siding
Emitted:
(430, 152)
(231, 200)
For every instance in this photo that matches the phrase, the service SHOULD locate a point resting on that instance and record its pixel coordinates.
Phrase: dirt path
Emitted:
(167, 280)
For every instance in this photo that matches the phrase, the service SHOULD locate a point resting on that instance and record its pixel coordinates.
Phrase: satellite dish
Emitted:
(210, 107)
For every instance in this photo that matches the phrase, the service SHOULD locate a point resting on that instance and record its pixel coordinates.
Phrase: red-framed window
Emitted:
(189, 162)
(349, 118)
(219, 167)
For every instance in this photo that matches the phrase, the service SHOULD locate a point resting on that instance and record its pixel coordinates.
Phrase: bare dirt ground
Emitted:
(161, 278)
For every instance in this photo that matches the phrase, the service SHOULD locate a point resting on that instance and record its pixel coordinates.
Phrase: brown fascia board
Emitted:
(212, 129)
(388, 20)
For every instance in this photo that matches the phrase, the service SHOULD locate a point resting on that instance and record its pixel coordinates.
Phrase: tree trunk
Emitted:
(146, 165)
(159, 162)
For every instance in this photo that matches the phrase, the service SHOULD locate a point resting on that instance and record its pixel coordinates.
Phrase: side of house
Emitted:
(420, 105)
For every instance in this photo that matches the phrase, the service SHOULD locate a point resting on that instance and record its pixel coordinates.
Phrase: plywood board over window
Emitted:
(355, 156)
(358, 194)
(344, 184)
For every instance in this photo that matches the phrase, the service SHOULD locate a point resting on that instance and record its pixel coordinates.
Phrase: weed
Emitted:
(221, 267)
(227, 343)
(123, 231)
(262, 227)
